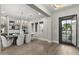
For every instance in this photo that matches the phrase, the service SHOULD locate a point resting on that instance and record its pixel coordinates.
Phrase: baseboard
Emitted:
(55, 41)
(77, 46)
(43, 39)
(49, 41)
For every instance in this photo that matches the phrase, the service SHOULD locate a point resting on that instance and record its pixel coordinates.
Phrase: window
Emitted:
(32, 27)
(36, 27)
(41, 26)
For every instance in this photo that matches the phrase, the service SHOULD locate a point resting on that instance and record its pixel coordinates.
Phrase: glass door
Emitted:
(67, 30)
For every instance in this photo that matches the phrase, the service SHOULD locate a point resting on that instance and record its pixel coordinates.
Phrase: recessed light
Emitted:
(39, 13)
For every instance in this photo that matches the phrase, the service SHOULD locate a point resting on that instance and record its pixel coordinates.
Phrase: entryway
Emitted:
(68, 29)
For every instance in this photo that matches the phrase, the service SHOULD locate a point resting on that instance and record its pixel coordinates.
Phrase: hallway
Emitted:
(38, 47)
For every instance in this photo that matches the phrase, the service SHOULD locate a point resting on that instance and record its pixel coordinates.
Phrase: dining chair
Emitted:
(28, 38)
(20, 39)
(6, 42)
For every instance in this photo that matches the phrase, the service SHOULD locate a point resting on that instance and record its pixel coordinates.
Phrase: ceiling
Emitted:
(49, 8)
(21, 11)
(29, 12)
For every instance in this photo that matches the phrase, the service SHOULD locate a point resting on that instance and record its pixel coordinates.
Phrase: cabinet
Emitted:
(13, 27)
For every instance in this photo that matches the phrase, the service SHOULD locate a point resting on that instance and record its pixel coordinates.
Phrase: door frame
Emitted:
(60, 26)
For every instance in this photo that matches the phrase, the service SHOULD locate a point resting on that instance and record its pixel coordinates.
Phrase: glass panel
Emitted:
(63, 25)
(64, 36)
(69, 37)
(64, 30)
(69, 31)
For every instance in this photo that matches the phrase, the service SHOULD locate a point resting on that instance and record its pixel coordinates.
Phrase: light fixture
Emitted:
(39, 13)
(57, 6)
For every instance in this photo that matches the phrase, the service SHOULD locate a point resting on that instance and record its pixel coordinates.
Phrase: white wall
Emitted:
(60, 13)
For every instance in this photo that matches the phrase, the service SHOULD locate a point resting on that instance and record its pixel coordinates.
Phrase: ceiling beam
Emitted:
(38, 9)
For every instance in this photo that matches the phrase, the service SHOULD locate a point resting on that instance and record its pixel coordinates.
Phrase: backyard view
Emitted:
(66, 30)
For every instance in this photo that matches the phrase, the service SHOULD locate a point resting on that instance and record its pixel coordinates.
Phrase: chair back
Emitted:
(4, 41)
(20, 40)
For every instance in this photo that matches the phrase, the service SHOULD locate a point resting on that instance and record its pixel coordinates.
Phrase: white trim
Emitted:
(78, 46)
(55, 41)
(43, 39)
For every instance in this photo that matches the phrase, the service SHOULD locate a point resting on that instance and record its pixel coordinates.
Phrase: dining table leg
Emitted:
(15, 41)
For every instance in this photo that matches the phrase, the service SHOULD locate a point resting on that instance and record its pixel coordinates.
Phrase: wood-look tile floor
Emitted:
(38, 47)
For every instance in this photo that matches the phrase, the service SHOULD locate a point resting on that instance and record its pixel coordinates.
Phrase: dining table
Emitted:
(12, 37)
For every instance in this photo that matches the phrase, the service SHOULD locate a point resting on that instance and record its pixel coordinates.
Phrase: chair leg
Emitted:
(0, 45)
(0, 50)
